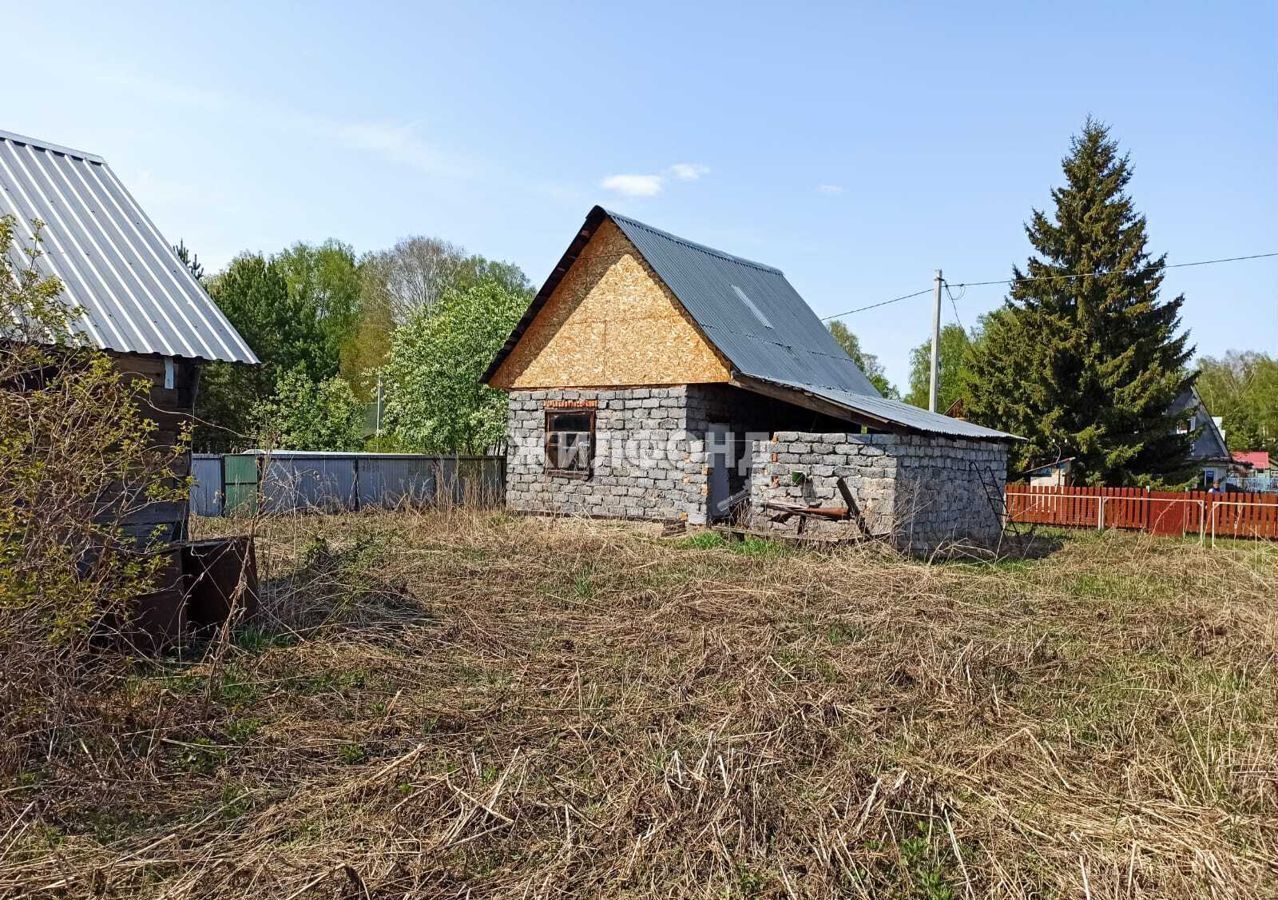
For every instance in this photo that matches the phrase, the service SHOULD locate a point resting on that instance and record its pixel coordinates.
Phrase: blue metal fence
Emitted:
(299, 481)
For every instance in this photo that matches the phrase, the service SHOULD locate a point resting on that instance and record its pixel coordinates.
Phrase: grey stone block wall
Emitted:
(922, 492)
(647, 464)
(651, 463)
(944, 490)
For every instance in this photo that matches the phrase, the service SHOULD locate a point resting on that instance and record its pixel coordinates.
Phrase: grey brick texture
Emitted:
(646, 466)
(924, 493)
(651, 452)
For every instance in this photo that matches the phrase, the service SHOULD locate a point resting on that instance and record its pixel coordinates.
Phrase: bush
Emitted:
(76, 460)
(304, 415)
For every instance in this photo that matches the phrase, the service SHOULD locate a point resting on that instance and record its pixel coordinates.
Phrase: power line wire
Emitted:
(968, 284)
(1201, 262)
(876, 305)
(954, 303)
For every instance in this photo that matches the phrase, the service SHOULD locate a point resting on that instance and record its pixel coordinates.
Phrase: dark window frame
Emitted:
(551, 448)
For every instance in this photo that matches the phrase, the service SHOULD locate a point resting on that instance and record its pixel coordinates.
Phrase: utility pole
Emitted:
(936, 345)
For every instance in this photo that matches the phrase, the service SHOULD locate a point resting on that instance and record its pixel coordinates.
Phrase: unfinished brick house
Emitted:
(655, 378)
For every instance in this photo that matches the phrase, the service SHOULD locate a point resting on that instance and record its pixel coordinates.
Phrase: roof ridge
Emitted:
(693, 245)
(49, 145)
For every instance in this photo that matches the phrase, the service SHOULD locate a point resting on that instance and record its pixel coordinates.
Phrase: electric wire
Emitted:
(967, 284)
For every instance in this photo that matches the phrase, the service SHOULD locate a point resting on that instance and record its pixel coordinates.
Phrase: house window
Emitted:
(570, 442)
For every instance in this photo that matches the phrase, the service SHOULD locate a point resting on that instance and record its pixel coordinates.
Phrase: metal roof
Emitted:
(1210, 443)
(135, 294)
(897, 413)
(758, 321)
(748, 311)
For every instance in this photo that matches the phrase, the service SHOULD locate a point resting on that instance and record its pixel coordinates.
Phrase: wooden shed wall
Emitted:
(171, 409)
(611, 322)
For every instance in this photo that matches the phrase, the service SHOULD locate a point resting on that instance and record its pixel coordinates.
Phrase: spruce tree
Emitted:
(1084, 359)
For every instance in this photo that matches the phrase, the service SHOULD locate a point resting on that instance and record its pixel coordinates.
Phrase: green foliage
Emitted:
(866, 362)
(325, 279)
(750, 546)
(190, 260)
(370, 343)
(303, 415)
(951, 370)
(706, 540)
(435, 400)
(1084, 359)
(1242, 388)
(78, 457)
(253, 294)
(299, 311)
(352, 754)
(921, 857)
(282, 326)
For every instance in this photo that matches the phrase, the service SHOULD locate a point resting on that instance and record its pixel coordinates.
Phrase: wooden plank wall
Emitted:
(171, 409)
(1241, 515)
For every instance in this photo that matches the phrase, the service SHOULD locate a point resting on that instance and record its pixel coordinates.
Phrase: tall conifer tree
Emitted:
(1084, 359)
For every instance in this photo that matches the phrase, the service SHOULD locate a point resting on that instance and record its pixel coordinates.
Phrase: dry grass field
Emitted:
(474, 705)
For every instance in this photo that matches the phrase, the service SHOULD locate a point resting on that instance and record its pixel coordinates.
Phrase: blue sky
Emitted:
(857, 147)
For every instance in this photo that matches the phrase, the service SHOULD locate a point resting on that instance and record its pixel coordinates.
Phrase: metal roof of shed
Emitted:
(904, 415)
(756, 319)
(135, 295)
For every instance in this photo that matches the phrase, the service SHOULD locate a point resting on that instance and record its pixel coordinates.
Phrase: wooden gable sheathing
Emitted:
(610, 322)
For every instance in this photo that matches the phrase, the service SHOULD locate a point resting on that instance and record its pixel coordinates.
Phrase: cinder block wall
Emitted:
(923, 492)
(943, 492)
(629, 480)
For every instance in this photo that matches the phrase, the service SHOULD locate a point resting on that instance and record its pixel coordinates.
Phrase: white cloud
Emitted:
(689, 171)
(829, 189)
(634, 185)
(651, 185)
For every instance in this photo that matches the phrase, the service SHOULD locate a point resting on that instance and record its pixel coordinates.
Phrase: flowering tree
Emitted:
(435, 400)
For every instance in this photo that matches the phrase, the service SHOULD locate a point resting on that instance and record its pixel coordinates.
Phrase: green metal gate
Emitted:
(239, 482)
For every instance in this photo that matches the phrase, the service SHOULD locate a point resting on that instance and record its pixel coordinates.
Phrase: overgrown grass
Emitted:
(453, 705)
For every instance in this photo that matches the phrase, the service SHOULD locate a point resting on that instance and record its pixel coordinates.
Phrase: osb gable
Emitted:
(610, 322)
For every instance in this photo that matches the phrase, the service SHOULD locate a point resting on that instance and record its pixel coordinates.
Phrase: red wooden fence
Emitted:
(1239, 515)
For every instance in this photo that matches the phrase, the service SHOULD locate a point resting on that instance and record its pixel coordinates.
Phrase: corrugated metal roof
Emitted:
(758, 321)
(748, 311)
(136, 295)
(901, 414)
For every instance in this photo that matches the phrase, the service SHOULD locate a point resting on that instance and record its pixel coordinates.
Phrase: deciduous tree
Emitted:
(418, 270)
(867, 362)
(324, 281)
(951, 383)
(285, 334)
(435, 400)
(1242, 388)
(78, 459)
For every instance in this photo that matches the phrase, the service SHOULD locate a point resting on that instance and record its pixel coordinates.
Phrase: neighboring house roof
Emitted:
(135, 294)
(1257, 459)
(752, 315)
(1047, 467)
(1209, 446)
